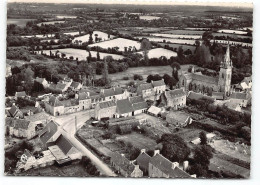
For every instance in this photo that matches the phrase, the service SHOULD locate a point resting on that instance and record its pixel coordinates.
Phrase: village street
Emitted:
(67, 123)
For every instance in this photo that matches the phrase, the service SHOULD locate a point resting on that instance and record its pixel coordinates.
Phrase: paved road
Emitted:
(67, 123)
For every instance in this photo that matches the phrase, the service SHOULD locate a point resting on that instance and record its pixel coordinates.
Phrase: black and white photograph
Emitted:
(128, 90)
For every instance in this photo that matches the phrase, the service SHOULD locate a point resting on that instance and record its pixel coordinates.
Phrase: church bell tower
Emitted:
(225, 73)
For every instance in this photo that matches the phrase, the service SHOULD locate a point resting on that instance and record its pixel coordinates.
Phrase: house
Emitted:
(42, 81)
(124, 166)
(84, 101)
(54, 106)
(154, 110)
(139, 105)
(143, 160)
(178, 118)
(233, 106)
(218, 95)
(246, 83)
(159, 167)
(124, 108)
(158, 86)
(207, 84)
(15, 112)
(41, 117)
(174, 98)
(146, 90)
(105, 109)
(49, 134)
(22, 128)
(115, 93)
(239, 97)
(75, 86)
(21, 94)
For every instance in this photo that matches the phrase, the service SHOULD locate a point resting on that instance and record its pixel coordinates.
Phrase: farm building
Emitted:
(105, 110)
(124, 166)
(138, 103)
(75, 86)
(143, 160)
(22, 128)
(178, 118)
(124, 108)
(174, 98)
(158, 86)
(115, 93)
(159, 167)
(242, 98)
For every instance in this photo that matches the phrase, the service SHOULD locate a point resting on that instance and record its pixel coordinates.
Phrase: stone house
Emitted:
(22, 128)
(105, 109)
(139, 105)
(15, 112)
(158, 86)
(124, 166)
(174, 98)
(84, 101)
(159, 167)
(242, 98)
(54, 106)
(143, 160)
(146, 90)
(124, 108)
(178, 118)
(21, 94)
(115, 93)
(75, 86)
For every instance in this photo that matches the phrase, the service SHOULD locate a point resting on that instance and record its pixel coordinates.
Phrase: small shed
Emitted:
(154, 110)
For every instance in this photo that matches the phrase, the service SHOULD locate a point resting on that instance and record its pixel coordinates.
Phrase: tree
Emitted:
(145, 46)
(174, 148)
(98, 56)
(105, 71)
(203, 138)
(175, 68)
(202, 155)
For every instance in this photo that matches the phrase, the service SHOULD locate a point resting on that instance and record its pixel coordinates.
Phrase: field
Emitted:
(148, 17)
(232, 43)
(19, 22)
(85, 38)
(171, 40)
(38, 36)
(185, 32)
(138, 140)
(81, 54)
(231, 35)
(50, 23)
(158, 52)
(184, 46)
(188, 134)
(72, 33)
(119, 42)
(72, 170)
(65, 17)
(233, 31)
(176, 36)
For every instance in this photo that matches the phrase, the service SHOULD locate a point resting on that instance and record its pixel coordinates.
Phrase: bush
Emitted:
(138, 77)
(125, 78)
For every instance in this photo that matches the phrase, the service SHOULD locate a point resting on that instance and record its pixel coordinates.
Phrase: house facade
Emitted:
(174, 98)
(105, 110)
(22, 128)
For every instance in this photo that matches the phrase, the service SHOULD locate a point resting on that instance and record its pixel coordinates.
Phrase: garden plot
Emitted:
(233, 31)
(138, 141)
(158, 52)
(121, 43)
(80, 54)
(85, 38)
(177, 36)
(170, 40)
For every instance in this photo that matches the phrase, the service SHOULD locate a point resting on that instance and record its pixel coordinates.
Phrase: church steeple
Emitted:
(227, 61)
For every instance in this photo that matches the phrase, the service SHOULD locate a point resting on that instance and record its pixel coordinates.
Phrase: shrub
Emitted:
(125, 78)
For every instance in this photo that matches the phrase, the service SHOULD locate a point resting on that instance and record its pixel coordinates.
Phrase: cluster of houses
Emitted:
(156, 166)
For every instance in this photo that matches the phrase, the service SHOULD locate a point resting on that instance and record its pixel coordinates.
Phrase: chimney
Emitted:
(123, 155)
(88, 93)
(76, 96)
(136, 167)
(143, 151)
(156, 152)
(194, 176)
(185, 165)
(175, 164)
(132, 162)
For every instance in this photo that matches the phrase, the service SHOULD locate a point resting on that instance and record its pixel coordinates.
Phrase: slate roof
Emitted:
(136, 99)
(143, 160)
(83, 96)
(75, 84)
(165, 166)
(13, 110)
(204, 78)
(107, 104)
(64, 144)
(237, 95)
(175, 93)
(20, 94)
(158, 83)
(145, 86)
(140, 106)
(20, 124)
(124, 106)
(112, 91)
(48, 131)
(69, 103)
(38, 117)
(60, 86)
(218, 95)
(122, 162)
(54, 101)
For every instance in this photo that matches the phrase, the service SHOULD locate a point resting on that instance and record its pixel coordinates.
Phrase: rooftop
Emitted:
(124, 106)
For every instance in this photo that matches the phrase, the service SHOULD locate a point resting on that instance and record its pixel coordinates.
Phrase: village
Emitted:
(179, 120)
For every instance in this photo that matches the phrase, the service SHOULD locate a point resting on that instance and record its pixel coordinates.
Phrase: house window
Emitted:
(222, 75)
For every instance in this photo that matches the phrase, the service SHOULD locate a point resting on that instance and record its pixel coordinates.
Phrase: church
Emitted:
(192, 81)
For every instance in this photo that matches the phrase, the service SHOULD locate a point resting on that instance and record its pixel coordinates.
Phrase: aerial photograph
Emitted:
(128, 90)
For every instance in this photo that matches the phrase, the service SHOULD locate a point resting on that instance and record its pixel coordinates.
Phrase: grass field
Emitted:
(176, 36)
(81, 54)
(171, 40)
(188, 134)
(50, 23)
(158, 52)
(184, 46)
(138, 140)
(119, 42)
(85, 38)
(185, 32)
(149, 17)
(233, 31)
(19, 22)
